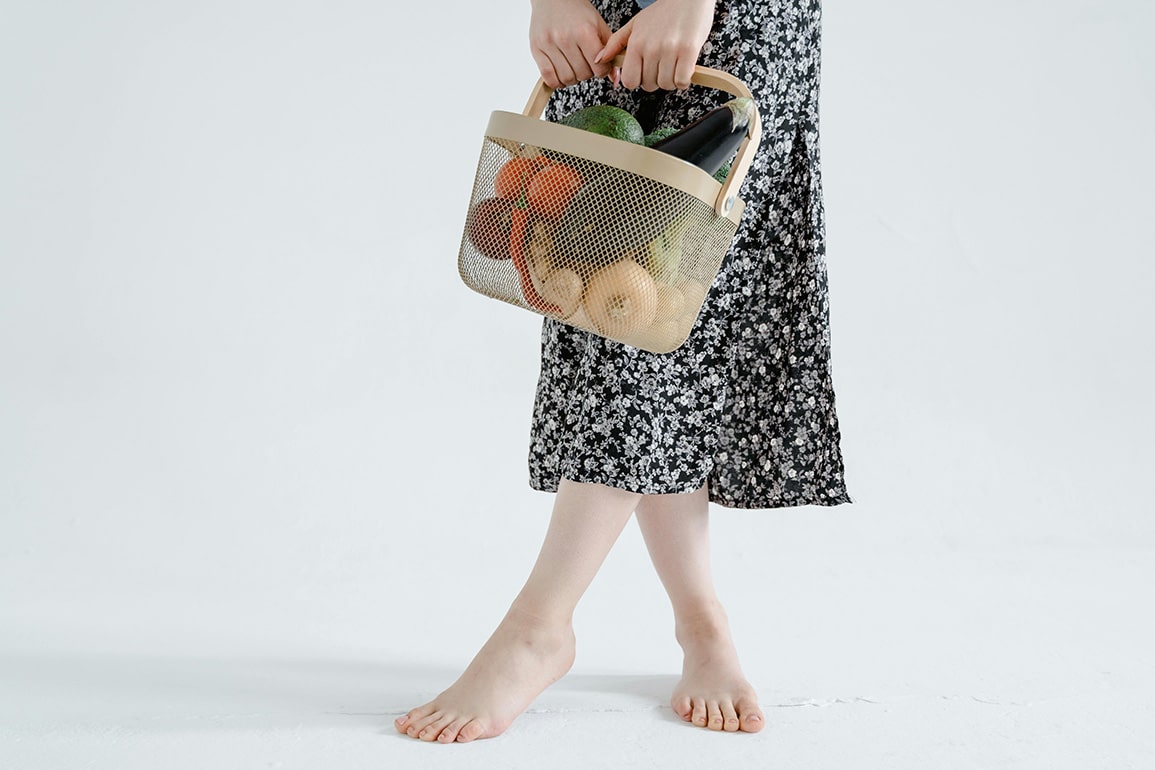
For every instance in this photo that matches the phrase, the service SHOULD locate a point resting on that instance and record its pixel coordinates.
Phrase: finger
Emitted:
(650, 73)
(683, 71)
(545, 66)
(578, 62)
(604, 31)
(615, 44)
(561, 67)
(632, 69)
(590, 47)
(666, 68)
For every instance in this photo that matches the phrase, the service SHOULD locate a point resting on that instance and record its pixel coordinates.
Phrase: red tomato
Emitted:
(552, 188)
(516, 174)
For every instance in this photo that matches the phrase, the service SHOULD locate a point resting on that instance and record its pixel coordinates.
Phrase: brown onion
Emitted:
(563, 287)
(621, 299)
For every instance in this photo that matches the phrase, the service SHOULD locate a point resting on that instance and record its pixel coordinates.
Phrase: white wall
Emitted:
(245, 399)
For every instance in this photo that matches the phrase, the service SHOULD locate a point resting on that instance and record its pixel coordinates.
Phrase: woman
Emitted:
(741, 415)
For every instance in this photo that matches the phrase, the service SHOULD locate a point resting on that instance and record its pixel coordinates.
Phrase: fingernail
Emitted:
(598, 58)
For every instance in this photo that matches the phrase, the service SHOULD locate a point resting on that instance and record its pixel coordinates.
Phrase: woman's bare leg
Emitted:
(713, 691)
(534, 644)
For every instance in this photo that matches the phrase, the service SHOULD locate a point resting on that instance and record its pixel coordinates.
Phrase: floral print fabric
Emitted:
(747, 404)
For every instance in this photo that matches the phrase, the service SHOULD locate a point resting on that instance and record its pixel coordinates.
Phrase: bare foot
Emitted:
(713, 691)
(524, 655)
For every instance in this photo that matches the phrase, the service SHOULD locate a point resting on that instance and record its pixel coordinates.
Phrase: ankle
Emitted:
(704, 621)
(540, 621)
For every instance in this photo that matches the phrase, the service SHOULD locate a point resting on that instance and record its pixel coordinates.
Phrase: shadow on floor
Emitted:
(151, 692)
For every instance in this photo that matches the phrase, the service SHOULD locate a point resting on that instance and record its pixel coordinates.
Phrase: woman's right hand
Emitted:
(564, 38)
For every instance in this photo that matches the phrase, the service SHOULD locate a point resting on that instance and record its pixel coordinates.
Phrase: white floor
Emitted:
(907, 654)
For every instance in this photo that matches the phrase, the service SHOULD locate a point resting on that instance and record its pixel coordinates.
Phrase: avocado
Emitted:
(607, 120)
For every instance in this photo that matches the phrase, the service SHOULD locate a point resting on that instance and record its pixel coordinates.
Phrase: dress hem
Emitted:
(826, 501)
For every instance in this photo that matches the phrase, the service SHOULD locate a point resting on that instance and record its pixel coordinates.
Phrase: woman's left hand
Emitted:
(665, 40)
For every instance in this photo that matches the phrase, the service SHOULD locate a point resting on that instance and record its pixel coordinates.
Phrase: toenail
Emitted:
(755, 718)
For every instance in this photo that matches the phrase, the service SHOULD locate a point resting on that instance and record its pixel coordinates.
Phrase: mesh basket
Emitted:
(612, 237)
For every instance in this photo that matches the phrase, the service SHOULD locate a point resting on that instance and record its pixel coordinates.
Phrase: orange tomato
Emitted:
(515, 175)
(552, 188)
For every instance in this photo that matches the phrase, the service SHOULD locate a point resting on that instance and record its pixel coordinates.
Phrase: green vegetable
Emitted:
(723, 172)
(657, 135)
(607, 120)
(711, 139)
(663, 254)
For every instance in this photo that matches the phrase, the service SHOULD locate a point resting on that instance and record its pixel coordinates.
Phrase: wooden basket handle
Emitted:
(703, 76)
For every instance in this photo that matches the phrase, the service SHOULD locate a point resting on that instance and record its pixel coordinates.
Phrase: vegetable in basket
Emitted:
(711, 139)
(564, 288)
(517, 232)
(621, 299)
(663, 254)
(515, 172)
(658, 134)
(552, 188)
(607, 120)
(488, 227)
(608, 218)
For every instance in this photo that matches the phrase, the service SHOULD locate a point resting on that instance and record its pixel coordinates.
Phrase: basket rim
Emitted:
(513, 130)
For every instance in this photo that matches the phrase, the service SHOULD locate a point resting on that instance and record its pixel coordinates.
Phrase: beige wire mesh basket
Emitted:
(613, 237)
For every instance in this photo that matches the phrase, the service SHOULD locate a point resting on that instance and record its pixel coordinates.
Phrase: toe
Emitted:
(730, 722)
(403, 722)
(433, 729)
(452, 729)
(417, 725)
(699, 712)
(471, 731)
(713, 715)
(750, 716)
(681, 706)
(422, 711)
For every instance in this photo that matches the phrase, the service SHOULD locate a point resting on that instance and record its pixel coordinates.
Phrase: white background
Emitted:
(263, 477)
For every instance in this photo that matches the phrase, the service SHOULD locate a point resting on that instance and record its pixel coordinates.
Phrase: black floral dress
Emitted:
(747, 404)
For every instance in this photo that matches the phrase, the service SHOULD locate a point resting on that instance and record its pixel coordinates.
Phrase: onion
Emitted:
(563, 287)
(621, 299)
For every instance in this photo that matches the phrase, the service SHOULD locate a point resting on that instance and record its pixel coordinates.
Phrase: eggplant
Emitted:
(710, 140)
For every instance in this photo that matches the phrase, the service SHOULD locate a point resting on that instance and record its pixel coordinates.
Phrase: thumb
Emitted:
(615, 44)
